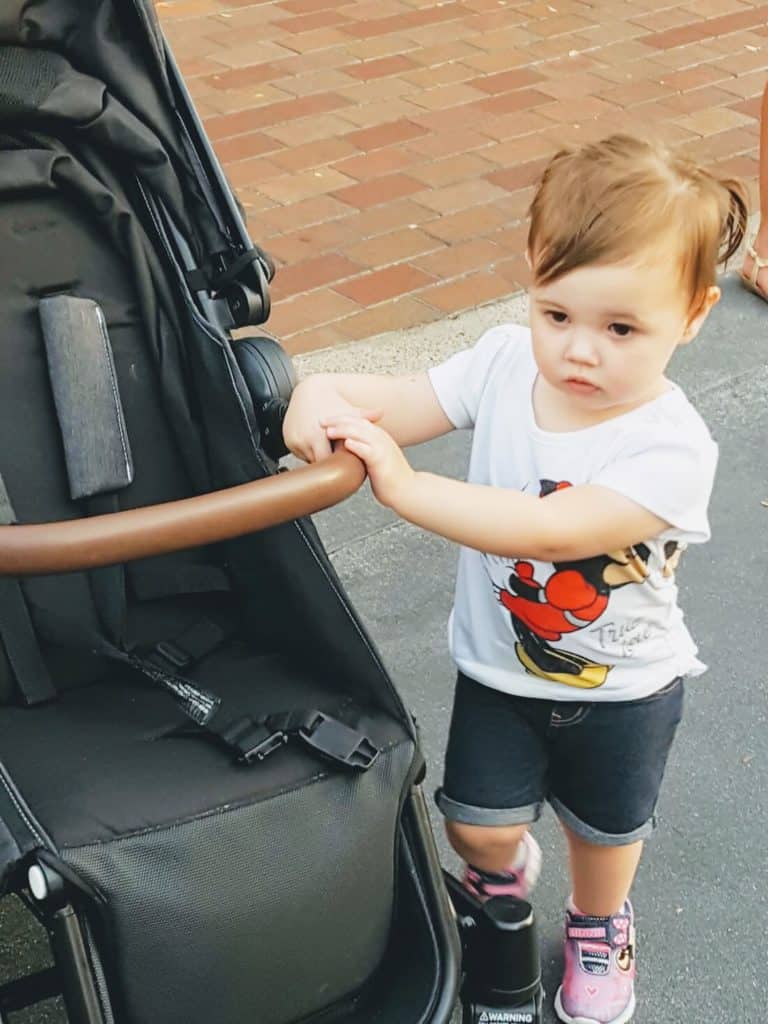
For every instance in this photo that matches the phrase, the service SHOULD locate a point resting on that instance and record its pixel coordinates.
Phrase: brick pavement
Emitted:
(385, 151)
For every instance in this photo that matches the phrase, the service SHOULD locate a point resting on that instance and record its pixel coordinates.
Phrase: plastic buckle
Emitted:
(265, 746)
(339, 742)
(173, 654)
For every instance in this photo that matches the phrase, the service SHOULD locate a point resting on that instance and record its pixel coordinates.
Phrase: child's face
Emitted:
(603, 334)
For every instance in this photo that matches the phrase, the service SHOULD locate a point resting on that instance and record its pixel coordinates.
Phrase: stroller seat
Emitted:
(113, 748)
(129, 801)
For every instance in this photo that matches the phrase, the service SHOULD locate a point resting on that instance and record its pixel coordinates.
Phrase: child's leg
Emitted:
(607, 765)
(500, 860)
(601, 875)
(490, 849)
(494, 787)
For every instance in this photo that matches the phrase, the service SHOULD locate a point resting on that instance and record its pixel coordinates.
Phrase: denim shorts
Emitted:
(600, 765)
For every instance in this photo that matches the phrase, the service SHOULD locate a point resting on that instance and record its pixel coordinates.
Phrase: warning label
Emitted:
(505, 1017)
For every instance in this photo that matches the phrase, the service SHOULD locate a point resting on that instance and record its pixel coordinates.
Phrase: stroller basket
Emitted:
(209, 787)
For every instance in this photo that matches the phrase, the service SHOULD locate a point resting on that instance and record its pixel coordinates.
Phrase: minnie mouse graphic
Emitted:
(572, 598)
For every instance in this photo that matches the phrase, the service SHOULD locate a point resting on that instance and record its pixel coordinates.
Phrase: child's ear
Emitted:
(700, 314)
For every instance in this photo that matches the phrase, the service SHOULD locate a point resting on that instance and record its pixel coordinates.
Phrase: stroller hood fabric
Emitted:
(117, 43)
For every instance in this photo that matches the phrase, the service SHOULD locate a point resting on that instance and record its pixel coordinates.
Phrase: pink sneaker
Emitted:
(599, 981)
(518, 881)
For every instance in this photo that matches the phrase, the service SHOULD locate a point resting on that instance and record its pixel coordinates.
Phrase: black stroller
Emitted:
(209, 786)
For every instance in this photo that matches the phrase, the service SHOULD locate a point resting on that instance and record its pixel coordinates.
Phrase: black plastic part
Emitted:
(528, 1012)
(261, 743)
(270, 417)
(418, 828)
(339, 743)
(73, 974)
(269, 374)
(247, 306)
(502, 964)
(248, 300)
(57, 895)
(78, 987)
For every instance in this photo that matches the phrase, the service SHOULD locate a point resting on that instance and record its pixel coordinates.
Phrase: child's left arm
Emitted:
(569, 524)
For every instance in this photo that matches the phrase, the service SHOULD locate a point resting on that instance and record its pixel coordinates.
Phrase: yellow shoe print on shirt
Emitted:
(578, 672)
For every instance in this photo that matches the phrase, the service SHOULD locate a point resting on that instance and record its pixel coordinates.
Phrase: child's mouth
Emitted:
(581, 386)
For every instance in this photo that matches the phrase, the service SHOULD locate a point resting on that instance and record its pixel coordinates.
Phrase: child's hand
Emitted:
(313, 400)
(388, 469)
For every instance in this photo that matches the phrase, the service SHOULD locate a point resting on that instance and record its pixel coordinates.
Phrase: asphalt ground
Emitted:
(701, 896)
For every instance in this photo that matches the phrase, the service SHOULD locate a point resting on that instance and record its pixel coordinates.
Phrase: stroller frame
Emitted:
(233, 291)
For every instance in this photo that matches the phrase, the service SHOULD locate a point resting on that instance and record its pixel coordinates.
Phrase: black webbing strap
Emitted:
(250, 738)
(19, 640)
(108, 583)
(199, 280)
(189, 646)
(197, 703)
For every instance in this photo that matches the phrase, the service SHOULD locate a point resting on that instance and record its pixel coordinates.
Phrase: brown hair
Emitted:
(608, 201)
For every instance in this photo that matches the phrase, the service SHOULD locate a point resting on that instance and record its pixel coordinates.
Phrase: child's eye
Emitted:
(556, 315)
(621, 330)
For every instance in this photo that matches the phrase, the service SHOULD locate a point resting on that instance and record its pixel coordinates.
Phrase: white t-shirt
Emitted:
(604, 628)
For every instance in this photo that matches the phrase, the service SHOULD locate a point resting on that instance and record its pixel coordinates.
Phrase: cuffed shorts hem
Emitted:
(596, 836)
(466, 814)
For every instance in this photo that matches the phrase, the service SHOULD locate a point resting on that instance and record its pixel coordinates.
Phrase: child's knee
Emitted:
(479, 844)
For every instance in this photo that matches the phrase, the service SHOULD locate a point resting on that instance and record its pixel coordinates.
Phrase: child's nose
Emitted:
(581, 349)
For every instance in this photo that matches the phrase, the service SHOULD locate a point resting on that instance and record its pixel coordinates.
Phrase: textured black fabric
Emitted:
(24, 84)
(293, 896)
(97, 451)
(277, 877)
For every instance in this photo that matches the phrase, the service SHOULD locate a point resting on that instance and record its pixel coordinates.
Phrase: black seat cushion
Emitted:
(109, 758)
(197, 860)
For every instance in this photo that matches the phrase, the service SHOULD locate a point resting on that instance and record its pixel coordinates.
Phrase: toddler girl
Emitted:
(590, 473)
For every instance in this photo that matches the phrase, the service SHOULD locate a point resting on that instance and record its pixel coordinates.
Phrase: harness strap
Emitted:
(108, 584)
(21, 646)
(256, 738)
(90, 414)
(249, 738)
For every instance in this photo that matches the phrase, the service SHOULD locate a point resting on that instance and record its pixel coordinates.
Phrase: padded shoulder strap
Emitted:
(96, 447)
(18, 636)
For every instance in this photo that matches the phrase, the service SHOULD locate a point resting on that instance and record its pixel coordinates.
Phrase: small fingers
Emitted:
(359, 448)
(349, 427)
(321, 448)
(366, 415)
(311, 449)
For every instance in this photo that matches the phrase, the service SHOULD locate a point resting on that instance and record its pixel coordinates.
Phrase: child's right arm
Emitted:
(405, 406)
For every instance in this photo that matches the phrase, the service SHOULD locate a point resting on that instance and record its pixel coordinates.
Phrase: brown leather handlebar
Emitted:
(79, 544)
